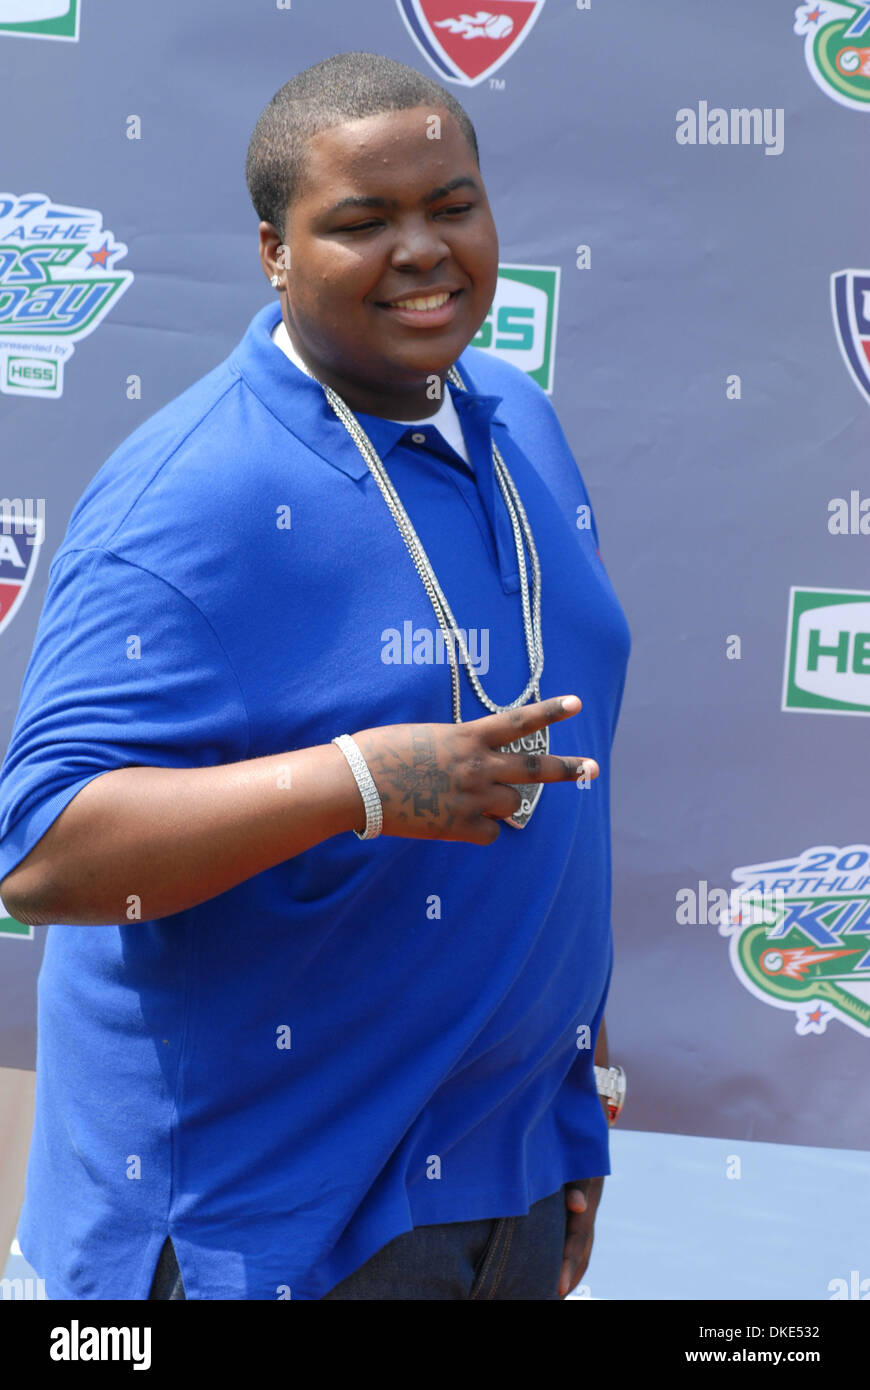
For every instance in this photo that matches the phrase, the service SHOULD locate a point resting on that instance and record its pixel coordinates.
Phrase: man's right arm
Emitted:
(175, 837)
(172, 838)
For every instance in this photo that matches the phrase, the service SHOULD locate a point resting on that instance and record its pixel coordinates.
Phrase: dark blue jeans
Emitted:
(508, 1257)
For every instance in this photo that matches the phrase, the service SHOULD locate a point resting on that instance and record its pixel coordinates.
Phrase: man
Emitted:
(304, 1066)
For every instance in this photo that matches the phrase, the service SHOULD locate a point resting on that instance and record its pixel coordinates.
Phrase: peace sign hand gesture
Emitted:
(453, 781)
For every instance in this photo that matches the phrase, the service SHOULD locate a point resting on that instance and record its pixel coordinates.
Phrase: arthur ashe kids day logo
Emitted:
(467, 47)
(837, 48)
(57, 283)
(812, 955)
(40, 19)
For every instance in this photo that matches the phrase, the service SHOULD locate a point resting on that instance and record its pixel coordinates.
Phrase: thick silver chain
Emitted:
(447, 622)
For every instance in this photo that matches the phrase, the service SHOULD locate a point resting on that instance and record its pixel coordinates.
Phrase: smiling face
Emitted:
(386, 213)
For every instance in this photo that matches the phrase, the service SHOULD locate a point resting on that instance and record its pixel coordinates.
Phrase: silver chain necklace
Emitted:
(538, 742)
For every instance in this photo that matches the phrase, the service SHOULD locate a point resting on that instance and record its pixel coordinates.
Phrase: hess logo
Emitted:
(827, 666)
(521, 324)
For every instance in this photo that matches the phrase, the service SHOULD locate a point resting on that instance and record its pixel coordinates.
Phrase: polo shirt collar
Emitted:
(299, 402)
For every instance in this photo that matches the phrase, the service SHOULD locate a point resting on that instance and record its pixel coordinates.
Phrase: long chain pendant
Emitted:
(538, 742)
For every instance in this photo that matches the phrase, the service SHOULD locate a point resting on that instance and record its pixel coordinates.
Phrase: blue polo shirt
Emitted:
(372, 1035)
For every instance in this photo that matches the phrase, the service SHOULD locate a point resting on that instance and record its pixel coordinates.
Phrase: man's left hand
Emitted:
(581, 1204)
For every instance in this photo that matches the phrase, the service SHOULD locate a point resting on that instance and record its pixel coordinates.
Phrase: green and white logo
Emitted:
(37, 376)
(837, 48)
(59, 277)
(827, 652)
(812, 956)
(521, 325)
(40, 19)
(9, 927)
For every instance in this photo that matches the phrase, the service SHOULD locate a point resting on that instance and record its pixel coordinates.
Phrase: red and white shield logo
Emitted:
(467, 46)
(22, 530)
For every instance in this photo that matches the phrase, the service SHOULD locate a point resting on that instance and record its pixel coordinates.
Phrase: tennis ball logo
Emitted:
(482, 25)
(29, 11)
(852, 60)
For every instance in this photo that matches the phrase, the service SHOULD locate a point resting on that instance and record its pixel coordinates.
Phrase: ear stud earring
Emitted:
(275, 280)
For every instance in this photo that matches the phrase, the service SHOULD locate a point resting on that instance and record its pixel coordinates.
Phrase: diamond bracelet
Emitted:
(366, 784)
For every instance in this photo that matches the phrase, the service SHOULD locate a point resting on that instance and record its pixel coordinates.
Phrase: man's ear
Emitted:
(270, 242)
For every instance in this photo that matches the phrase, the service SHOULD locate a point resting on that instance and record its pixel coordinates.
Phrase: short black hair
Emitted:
(343, 88)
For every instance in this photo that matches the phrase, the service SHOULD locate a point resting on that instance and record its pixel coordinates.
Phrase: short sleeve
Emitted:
(125, 671)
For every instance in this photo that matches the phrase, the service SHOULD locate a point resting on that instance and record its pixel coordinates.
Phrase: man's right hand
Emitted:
(452, 782)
